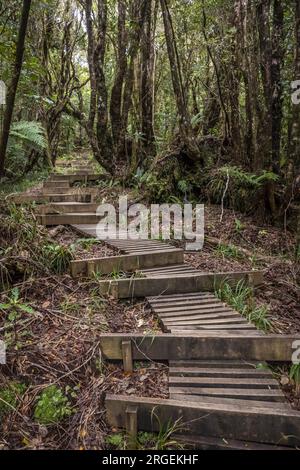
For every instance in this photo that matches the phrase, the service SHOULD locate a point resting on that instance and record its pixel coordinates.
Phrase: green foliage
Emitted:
(58, 257)
(24, 136)
(239, 227)
(240, 298)
(10, 396)
(164, 438)
(259, 317)
(30, 133)
(295, 374)
(15, 306)
(52, 406)
(242, 187)
(86, 243)
(228, 251)
(116, 441)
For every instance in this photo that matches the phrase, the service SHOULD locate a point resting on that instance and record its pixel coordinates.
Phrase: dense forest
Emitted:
(185, 97)
(168, 103)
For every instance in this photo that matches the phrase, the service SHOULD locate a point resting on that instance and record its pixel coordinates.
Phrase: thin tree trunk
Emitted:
(12, 90)
(147, 66)
(117, 89)
(185, 127)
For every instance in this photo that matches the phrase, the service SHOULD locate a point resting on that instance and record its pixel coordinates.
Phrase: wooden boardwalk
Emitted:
(220, 387)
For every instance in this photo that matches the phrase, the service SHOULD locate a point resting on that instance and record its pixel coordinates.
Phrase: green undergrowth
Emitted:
(10, 396)
(241, 299)
(26, 250)
(53, 406)
(10, 186)
(161, 440)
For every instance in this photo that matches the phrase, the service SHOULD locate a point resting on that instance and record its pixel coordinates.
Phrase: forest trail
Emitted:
(221, 392)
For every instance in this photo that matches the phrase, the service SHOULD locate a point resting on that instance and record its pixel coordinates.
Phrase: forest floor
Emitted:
(52, 323)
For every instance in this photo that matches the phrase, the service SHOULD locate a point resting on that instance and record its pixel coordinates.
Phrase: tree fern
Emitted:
(30, 133)
(24, 137)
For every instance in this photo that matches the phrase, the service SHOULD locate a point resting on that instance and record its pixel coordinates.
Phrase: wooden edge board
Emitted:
(205, 344)
(230, 421)
(217, 443)
(171, 284)
(127, 263)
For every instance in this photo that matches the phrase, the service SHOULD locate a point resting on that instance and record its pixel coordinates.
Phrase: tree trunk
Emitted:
(12, 90)
(185, 128)
(147, 79)
(117, 89)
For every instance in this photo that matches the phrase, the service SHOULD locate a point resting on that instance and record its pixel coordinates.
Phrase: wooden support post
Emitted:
(91, 268)
(131, 426)
(127, 356)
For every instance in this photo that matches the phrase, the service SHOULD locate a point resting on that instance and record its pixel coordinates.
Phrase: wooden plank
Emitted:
(127, 356)
(215, 372)
(215, 420)
(186, 303)
(127, 263)
(128, 288)
(216, 364)
(69, 219)
(186, 329)
(200, 316)
(242, 401)
(202, 345)
(199, 322)
(175, 297)
(131, 413)
(255, 394)
(215, 443)
(213, 305)
(223, 382)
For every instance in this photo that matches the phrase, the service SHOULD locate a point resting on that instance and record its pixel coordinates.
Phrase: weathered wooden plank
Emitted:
(124, 288)
(255, 394)
(198, 312)
(67, 207)
(243, 401)
(127, 263)
(215, 443)
(223, 382)
(214, 305)
(186, 329)
(43, 199)
(215, 372)
(242, 345)
(203, 363)
(69, 219)
(199, 316)
(215, 420)
(199, 322)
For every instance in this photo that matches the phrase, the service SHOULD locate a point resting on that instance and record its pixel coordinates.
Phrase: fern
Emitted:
(24, 136)
(29, 133)
(242, 185)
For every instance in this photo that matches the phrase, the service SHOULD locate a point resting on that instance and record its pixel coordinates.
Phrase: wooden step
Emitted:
(68, 219)
(67, 207)
(129, 288)
(125, 263)
(56, 184)
(242, 345)
(232, 421)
